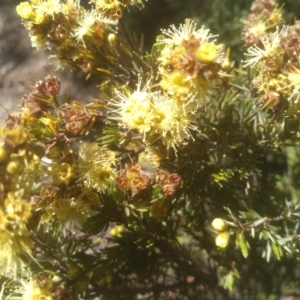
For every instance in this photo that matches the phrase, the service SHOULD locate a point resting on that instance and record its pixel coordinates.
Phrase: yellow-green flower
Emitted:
(24, 10)
(154, 115)
(30, 290)
(61, 172)
(219, 224)
(136, 108)
(15, 245)
(91, 23)
(190, 63)
(271, 47)
(117, 230)
(48, 7)
(95, 167)
(61, 207)
(16, 208)
(222, 240)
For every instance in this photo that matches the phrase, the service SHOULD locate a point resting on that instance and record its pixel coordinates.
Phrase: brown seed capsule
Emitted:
(34, 104)
(168, 190)
(40, 88)
(162, 176)
(44, 282)
(52, 85)
(132, 170)
(140, 182)
(175, 180)
(75, 120)
(61, 293)
(122, 181)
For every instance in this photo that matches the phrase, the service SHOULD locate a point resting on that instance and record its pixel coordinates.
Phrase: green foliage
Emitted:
(114, 199)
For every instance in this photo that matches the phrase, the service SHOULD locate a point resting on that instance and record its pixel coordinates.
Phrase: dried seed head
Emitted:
(52, 85)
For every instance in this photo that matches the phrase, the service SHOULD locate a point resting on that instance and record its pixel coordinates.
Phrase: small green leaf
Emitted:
(265, 234)
(236, 274)
(253, 232)
(228, 281)
(277, 250)
(127, 211)
(260, 221)
(243, 244)
(269, 252)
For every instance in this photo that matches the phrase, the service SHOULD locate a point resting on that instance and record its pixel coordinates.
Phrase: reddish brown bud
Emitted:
(175, 180)
(162, 176)
(40, 88)
(122, 181)
(132, 170)
(35, 106)
(141, 182)
(168, 190)
(52, 85)
(133, 167)
(75, 120)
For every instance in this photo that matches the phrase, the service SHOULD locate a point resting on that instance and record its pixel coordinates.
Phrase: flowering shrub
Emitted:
(175, 183)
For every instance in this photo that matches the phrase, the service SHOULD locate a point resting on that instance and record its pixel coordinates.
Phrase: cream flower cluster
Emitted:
(153, 115)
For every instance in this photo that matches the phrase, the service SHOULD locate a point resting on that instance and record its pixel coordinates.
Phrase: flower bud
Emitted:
(117, 231)
(112, 38)
(206, 53)
(219, 224)
(226, 65)
(54, 152)
(73, 271)
(161, 208)
(106, 279)
(222, 240)
(24, 10)
(14, 167)
(81, 284)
